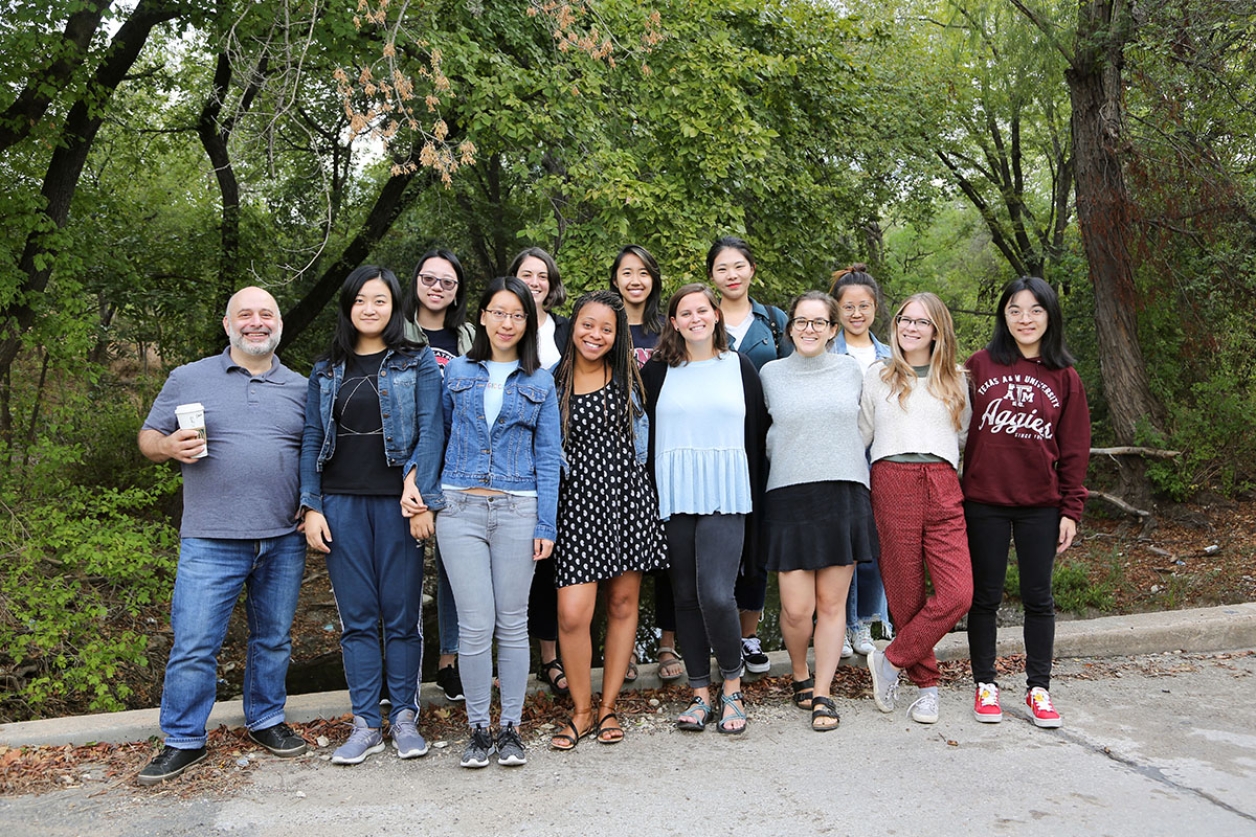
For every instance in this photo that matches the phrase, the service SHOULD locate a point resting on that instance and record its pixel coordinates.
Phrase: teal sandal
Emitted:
(695, 706)
(727, 702)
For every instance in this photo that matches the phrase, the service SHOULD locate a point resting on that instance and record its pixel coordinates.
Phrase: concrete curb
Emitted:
(1225, 628)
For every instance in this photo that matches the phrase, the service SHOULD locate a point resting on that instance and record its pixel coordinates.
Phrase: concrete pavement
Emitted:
(1204, 629)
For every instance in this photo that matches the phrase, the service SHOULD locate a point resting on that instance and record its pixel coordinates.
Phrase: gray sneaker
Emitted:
(363, 741)
(478, 749)
(405, 736)
(510, 747)
(884, 681)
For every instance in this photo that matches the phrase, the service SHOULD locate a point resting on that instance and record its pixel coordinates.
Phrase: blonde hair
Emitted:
(946, 378)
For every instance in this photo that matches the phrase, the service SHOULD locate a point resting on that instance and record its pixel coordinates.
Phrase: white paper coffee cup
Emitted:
(192, 417)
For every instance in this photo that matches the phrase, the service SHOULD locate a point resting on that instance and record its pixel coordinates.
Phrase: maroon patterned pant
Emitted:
(920, 520)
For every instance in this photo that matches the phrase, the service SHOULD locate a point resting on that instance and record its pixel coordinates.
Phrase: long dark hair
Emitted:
(456, 313)
(481, 349)
(1003, 346)
(557, 293)
(619, 361)
(652, 317)
(671, 348)
(344, 338)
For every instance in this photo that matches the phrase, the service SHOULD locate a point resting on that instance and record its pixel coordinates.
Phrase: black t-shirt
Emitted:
(444, 344)
(643, 343)
(358, 465)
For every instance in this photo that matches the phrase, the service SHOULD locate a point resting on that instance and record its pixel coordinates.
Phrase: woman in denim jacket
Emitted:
(373, 438)
(858, 299)
(501, 487)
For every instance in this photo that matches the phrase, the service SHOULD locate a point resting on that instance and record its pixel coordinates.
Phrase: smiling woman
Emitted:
(608, 526)
(501, 482)
(707, 422)
(818, 513)
(369, 459)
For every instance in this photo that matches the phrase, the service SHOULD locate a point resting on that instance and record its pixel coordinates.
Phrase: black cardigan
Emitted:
(654, 373)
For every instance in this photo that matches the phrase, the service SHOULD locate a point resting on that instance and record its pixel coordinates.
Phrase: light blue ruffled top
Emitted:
(700, 463)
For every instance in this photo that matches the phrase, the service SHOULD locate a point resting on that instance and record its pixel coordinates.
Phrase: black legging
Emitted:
(990, 528)
(705, 554)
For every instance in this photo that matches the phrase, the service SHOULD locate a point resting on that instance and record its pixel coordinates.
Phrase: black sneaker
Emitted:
(450, 682)
(752, 655)
(280, 740)
(170, 762)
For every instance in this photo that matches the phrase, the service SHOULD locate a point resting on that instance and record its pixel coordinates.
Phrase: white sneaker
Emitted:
(925, 709)
(847, 651)
(860, 639)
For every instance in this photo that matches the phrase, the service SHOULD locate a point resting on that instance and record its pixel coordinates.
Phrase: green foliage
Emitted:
(1073, 586)
(88, 548)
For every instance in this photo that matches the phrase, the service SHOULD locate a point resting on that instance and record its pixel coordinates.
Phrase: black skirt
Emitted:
(819, 524)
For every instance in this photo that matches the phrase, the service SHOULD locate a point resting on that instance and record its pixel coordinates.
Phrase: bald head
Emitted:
(254, 326)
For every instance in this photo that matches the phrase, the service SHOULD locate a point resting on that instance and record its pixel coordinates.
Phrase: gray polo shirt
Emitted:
(249, 486)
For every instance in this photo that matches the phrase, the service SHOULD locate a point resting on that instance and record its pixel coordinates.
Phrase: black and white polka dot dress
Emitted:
(608, 511)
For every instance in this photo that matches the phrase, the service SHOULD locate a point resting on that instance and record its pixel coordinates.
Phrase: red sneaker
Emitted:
(1039, 703)
(986, 704)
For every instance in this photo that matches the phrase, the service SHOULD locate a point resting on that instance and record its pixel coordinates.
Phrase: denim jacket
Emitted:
(409, 393)
(522, 451)
(762, 342)
(839, 346)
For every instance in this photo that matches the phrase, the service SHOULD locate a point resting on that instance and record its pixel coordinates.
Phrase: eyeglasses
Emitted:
(430, 281)
(862, 308)
(921, 323)
(802, 324)
(501, 316)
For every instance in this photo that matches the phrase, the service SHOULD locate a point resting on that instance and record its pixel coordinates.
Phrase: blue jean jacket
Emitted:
(763, 342)
(522, 452)
(409, 398)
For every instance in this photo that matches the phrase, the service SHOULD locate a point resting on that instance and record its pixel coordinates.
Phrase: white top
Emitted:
(866, 355)
(546, 346)
(925, 426)
(738, 332)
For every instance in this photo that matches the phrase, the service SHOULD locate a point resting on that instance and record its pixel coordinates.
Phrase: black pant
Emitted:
(1035, 531)
(705, 554)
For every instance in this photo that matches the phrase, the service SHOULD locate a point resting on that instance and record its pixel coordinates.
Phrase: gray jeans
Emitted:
(705, 554)
(486, 544)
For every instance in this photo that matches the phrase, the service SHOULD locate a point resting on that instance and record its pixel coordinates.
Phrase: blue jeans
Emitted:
(866, 600)
(376, 572)
(487, 546)
(211, 574)
(446, 609)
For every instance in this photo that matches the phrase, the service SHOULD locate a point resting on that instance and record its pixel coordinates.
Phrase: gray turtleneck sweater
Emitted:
(814, 403)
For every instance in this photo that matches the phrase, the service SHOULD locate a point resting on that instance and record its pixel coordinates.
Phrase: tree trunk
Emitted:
(393, 199)
(1096, 89)
(66, 166)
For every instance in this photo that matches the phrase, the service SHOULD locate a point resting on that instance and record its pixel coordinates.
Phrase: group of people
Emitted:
(703, 444)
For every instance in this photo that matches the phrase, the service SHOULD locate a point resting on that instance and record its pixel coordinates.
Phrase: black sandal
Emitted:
(550, 674)
(802, 692)
(822, 707)
(569, 741)
(608, 734)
